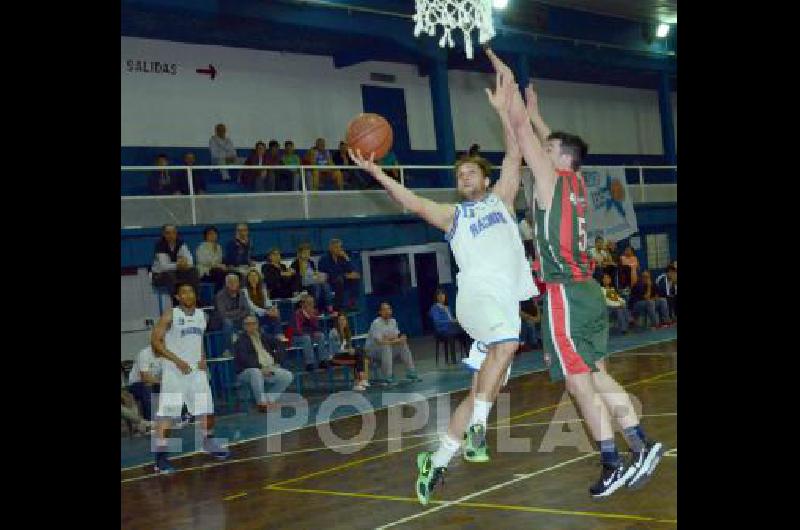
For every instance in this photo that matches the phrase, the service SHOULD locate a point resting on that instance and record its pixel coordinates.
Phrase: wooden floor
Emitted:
(371, 484)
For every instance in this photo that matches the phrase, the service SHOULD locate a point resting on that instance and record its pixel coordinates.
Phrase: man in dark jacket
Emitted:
(342, 276)
(255, 365)
(644, 299)
(231, 307)
(239, 251)
(667, 287)
(172, 261)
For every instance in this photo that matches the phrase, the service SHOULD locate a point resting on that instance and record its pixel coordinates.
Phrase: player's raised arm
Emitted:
(532, 105)
(439, 215)
(160, 347)
(508, 184)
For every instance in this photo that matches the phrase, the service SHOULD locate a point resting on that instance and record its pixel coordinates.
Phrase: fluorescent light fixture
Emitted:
(499, 4)
(662, 31)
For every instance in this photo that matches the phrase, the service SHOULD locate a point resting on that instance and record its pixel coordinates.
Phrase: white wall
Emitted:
(261, 95)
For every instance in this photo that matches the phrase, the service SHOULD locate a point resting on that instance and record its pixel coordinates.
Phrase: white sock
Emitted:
(446, 451)
(480, 412)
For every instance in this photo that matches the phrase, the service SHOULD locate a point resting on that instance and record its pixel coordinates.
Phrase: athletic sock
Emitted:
(608, 452)
(634, 436)
(446, 451)
(480, 412)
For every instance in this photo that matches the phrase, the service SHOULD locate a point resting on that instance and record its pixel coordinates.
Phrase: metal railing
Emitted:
(186, 208)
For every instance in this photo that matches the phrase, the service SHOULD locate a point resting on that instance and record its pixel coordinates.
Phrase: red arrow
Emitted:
(211, 71)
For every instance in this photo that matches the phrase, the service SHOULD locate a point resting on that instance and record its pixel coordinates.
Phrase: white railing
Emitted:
(305, 195)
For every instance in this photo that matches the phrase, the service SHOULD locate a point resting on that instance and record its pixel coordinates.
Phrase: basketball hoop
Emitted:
(465, 15)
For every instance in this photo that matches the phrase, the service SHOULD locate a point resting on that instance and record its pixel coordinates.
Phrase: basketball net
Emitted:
(465, 15)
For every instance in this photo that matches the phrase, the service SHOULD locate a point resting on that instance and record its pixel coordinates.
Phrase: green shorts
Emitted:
(574, 327)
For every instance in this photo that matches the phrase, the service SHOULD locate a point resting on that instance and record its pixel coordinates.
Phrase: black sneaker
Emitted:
(644, 463)
(611, 479)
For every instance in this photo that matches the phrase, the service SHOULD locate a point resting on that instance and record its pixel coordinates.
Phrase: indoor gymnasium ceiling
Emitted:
(645, 10)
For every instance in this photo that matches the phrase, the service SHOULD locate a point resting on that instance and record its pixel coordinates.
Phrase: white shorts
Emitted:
(489, 315)
(477, 354)
(191, 389)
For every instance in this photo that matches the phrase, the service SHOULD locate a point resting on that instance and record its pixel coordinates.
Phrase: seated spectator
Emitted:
(319, 156)
(384, 343)
(341, 347)
(161, 182)
(131, 414)
(173, 261)
(667, 287)
(144, 380)
(291, 158)
(342, 277)
(616, 304)
(255, 179)
(443, 322)
(530, 317)
(342, 158)
(231, 307)
(602, 258)
(311, 280)
(255, 366)
(390, 159)
(273, 159)
(239, 251)
(307, 333)
(282, 281)
(255, 292)
(644, 300)
(198, 178)
(222, 150)
(210, 267)
(629, 264)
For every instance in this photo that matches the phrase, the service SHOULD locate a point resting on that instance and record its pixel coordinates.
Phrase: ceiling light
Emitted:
(662, 31)
(500, 4)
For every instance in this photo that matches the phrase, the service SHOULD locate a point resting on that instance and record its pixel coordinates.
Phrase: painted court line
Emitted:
(437, 371)
(510, 507)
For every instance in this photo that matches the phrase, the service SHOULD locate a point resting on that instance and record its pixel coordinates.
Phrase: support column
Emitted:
(442, 116)
(667, 127)
(522, 71)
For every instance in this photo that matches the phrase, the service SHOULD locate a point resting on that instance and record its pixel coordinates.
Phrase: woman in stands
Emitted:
(340, 338)
(257, 297)
(209, 259)
(282, 281)
(311, 279)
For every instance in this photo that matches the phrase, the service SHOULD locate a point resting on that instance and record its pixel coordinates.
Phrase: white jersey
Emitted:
(185, 336)
(485, 241)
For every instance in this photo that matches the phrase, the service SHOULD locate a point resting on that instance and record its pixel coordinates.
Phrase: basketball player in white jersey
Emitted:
(178, 340)
(493, 278)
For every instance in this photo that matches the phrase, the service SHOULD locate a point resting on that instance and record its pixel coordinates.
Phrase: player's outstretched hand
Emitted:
(367, 165)
(531, 100)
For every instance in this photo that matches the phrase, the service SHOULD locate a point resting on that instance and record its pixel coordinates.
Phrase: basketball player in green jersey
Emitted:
(575, 323)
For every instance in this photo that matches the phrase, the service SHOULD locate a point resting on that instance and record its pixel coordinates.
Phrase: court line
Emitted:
(316, 424)
(485, 505)
(370, 442)
(235, 496)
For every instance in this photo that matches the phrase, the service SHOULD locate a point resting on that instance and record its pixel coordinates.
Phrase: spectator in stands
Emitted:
(340, 339)
(307, 333)
(282, 281)
(602, 258)
(161, 182)
(173, 261)
(342, 277)
(342, 158)
(259, 304)
(644, 300)
(390, 159)
(210, 267)
(198, 178)
(616, 304)
(255, 179)
(144, 380)
(630, 265)
(443, 322)
(273, 159)
(385, 342)
(291, 158)
(319, 156)
(255, 366)
(239, 251)
(222, 150)
(131, 414)
(231, 307)
(311, 280)
(667, 288)
(530, 317)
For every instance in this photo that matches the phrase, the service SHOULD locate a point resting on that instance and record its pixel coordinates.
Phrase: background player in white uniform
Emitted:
(494, 276)
(178, 340)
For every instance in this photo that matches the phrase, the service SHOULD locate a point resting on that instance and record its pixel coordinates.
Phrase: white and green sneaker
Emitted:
(429, 477)
(475, 449)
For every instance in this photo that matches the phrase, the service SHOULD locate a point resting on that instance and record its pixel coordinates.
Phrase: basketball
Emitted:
(369, 133)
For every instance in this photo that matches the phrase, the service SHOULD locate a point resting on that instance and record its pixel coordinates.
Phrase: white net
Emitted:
(465, 15)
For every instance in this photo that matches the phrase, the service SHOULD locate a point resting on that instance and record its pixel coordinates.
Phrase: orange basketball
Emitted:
(370, 133)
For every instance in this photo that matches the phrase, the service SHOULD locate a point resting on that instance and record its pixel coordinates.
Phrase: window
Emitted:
(390, 274)
(657, 251)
